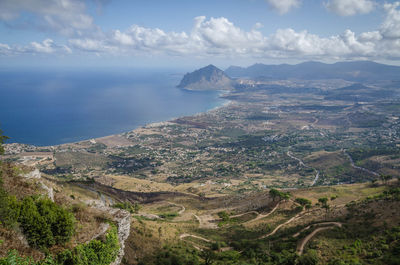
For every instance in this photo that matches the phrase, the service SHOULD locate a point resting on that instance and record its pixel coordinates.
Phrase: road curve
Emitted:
(241, 214)
(182, 210)
(260, 216)
(182, 236)
(279, 226)
(304, 241)
(357, 167)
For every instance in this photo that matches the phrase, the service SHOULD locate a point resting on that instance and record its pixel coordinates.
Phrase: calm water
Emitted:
(54, 107)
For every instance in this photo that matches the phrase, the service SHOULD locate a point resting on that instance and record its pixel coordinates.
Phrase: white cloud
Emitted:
(283, 6)
(391, 26)
(5, 49)
(219, 37)
(221, 34)
(349, 7)
(66, 16)
(47, 46)
(90, 45)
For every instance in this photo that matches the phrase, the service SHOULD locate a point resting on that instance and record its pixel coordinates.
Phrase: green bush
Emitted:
(9, 209)
(96, 252)
(45, 223)
(309, 258)
(132, 208)
(61, 221)
(176, 256)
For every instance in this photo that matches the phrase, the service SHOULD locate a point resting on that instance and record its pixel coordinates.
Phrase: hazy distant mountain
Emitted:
(352, 71)
(206, 78)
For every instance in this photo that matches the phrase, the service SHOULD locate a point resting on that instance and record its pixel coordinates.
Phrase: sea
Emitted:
(55, 106)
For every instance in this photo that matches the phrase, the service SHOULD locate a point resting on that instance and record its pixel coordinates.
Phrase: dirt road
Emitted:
(304, 241)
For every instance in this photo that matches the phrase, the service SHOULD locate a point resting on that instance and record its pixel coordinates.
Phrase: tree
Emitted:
(303, 201)
(324, 203)
(323, 200)
(274, 193)
(385, 178)
(3, 138)
(278, 194)
(284, 196)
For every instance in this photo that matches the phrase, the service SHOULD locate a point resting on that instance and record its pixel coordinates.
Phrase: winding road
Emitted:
(283, 224)
(260, 216)
(241, 214)
(304, 241)
(182, 210)
(190, 235)
(357, 167)
(301, 163)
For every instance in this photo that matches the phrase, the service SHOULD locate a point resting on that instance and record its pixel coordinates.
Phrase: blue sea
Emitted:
(49, 107)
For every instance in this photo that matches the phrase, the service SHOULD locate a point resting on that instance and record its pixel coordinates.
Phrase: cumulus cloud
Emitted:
(210, 37)
(220, 37)
(66, 16)
(213, 36)
(350, 7)
(283, 6)
(47, 46)
(391, 25)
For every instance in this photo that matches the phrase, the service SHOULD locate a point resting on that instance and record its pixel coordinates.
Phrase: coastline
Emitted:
(14, 148)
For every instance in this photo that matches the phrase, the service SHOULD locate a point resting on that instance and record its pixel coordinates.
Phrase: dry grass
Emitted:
(141, 185)
(14, 239)
(80, 160)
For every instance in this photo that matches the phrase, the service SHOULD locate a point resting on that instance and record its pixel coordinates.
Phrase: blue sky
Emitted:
(188, 33)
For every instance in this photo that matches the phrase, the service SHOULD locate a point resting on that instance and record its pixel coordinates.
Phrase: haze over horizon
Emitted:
(191, 34)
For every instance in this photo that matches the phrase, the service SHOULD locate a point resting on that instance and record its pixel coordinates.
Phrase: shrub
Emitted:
(9, 210)
(45, 223)
(310, 258)
(132, 208)
(96, 252)
(34, 226)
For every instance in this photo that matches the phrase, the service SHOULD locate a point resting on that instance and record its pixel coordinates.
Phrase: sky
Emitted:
(191, 33)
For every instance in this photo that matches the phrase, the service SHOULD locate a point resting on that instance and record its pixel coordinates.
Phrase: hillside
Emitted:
(342, 224)
(360, 71)
(289, 172)
(43, 221)
(206, 78)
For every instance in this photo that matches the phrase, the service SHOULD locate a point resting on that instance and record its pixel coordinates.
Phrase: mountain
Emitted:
(353, 71)
(206, 78)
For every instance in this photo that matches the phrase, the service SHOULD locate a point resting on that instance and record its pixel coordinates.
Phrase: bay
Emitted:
(49, 107)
